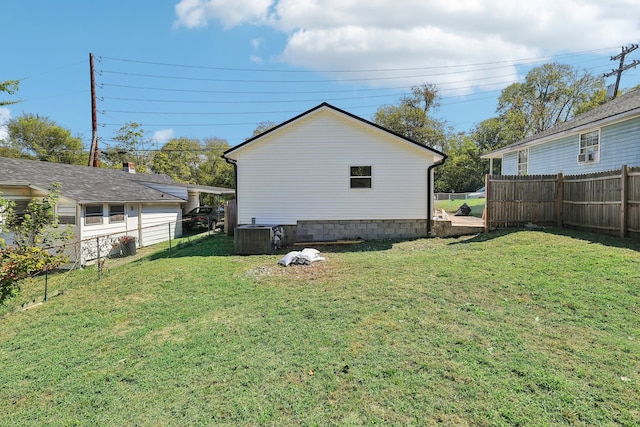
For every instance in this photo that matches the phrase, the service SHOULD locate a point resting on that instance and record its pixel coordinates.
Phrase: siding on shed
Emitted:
(302, 172)
(619, 145)
(156, 220)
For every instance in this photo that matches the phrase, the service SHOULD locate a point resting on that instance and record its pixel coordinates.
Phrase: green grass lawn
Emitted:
(450, 206)
(508, 328)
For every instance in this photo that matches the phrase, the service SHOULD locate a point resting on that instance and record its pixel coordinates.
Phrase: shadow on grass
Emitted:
(204, 245)
(222, 245)
(364, 246)
(585, 236)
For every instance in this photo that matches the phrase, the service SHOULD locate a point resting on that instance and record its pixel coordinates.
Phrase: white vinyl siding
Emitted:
(157, 221)
(302, 172)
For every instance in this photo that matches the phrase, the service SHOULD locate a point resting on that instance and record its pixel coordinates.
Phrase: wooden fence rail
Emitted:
(606, 202)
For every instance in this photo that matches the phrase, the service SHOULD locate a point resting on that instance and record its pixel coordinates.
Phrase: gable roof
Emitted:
(87, 184)
(325, 105)
(622, 107)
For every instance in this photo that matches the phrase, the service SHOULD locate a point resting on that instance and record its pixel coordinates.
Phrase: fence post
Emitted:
(560, 199)
(487, 204)
(623, 201)
(169, 237)
(99, 260)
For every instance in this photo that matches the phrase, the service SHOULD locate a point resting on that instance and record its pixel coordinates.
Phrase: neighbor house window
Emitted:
(20, 207)
(93, 214)
(589, 147)
(523, 162)
(116, 213)
(67, 220)
(360, 176)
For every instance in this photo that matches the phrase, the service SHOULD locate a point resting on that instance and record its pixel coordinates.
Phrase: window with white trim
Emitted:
(523, 162)
(116, 213)
(93, 214)
(589, 151)
(360, 176)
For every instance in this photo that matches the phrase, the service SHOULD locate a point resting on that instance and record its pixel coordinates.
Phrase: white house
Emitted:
(602, 139)
(329, 175)
(97, 202)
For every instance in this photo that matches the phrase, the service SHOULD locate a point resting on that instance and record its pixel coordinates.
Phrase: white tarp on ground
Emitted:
(305, 257)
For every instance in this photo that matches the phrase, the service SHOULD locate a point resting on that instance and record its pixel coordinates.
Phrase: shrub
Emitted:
(29, 254)
(17, 263)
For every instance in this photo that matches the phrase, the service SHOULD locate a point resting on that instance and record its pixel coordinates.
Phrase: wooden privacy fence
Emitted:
(605, 202)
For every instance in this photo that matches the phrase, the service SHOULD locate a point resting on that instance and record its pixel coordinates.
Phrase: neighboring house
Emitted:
(328, 175)
(96, 202)
(602, 139)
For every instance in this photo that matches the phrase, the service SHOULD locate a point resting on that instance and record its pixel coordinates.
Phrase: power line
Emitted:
(230, 90)
(523, 60)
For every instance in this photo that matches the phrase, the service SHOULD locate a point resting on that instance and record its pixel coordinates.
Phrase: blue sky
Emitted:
(218, 68)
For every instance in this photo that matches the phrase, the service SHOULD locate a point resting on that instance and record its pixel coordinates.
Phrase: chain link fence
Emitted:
(89, 259)
(450, 202)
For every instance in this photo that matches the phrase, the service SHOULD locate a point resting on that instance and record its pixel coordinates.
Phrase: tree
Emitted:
(550, 94)
(463, 170)
(411, 117)
(130, 148)
(42, 139)
(596, 99)
(10, 87)
(180, 158)
(214, 170)
(490, 134)
(263, 127)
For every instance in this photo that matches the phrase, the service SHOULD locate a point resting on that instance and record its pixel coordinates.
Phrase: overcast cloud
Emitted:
(383, 34)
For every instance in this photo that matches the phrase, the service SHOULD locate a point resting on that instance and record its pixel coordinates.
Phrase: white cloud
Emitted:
(256, 43)
(379, 34)
(163, 136)
(196, 13)
(5, 116)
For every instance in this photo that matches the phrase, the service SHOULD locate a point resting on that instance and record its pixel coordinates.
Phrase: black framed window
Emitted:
(360, 176)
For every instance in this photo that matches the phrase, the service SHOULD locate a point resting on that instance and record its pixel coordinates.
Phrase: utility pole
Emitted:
(93, 152)
(622, 67)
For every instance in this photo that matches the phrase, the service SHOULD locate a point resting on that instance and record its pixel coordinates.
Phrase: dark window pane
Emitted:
(360, 182)
(360, 170)
(116, 213)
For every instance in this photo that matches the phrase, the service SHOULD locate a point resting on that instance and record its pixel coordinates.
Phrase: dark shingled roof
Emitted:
(626, 104)
(86, 184)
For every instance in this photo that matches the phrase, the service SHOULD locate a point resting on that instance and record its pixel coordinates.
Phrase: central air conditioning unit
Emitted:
(256, 239)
